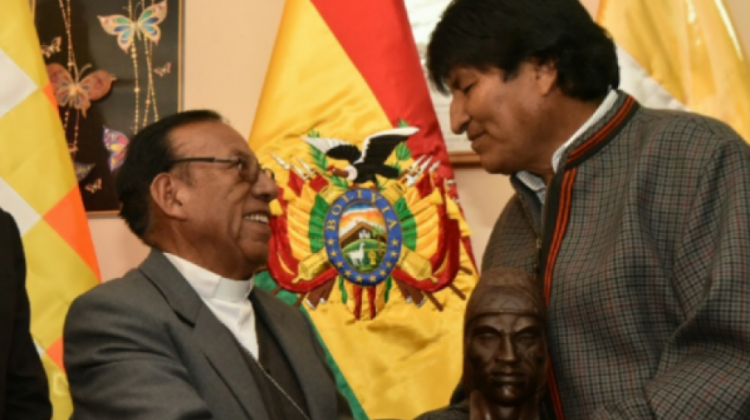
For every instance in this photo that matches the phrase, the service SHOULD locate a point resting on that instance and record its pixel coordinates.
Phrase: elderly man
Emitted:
(185, 335)
(635, 220)
(23, 384)
(505, 350)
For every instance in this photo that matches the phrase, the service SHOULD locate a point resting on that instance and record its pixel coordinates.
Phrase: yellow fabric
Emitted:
(691, 49)
(406, 360)
(35, 164)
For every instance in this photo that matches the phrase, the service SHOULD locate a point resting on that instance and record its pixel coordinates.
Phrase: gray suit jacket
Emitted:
(146, 347)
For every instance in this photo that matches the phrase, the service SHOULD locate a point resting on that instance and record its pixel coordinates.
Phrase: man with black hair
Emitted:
(23, 385)
(186, 335)
(635, 221)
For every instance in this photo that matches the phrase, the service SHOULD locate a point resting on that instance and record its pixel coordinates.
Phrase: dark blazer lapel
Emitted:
(214, 339)
(293, 340)
(223, 352)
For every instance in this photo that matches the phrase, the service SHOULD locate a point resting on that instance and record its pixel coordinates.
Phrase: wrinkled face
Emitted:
(226, 204)
(507, 357)
(503, 119)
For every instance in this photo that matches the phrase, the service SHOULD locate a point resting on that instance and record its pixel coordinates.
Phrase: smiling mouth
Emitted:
(257, 217)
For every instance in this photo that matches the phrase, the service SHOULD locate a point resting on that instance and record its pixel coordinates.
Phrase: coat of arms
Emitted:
(366, 220)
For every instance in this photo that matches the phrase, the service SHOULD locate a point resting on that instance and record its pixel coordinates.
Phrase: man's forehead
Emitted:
(209, 136)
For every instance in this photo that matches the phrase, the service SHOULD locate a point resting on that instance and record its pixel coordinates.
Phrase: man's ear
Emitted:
(545, 75)
(166, 193)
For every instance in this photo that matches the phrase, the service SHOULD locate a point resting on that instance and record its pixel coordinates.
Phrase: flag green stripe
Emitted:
(265, 282)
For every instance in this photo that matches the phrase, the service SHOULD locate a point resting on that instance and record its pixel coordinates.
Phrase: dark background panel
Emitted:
(92, 45)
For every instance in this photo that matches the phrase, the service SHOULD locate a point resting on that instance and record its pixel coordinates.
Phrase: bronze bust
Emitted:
(505, 350)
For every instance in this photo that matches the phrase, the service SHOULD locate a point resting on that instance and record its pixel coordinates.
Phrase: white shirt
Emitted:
(227, 299)
(536, 183)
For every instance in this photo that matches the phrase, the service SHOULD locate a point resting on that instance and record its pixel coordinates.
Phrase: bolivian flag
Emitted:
(39, 188)
(683, 55)
(369, 238)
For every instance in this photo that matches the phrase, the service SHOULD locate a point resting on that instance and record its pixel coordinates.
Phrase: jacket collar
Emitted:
(600, 133)
(213, 338)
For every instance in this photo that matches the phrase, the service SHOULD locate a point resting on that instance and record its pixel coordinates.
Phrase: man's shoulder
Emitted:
(685, 127)
(132, 289)
(683, 142)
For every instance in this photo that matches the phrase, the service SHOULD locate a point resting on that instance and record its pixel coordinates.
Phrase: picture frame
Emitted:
(130, 81)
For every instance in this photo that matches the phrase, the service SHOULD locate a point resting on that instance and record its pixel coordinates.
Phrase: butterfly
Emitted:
(115, 142)
(165, 69)
(82, 170)
(53, 47)
(146, 25)
(94, 186)
(75, 93)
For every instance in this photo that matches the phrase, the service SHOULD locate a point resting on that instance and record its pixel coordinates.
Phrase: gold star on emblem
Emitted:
(394, 254)
(334, 253)
(359, 278)
(339, 264)
(373, 278)
(331, 242)
(382, 272)
(395, 242)
(348, 273)
(388, 264)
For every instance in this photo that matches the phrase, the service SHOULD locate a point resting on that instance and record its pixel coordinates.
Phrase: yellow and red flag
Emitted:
(369, 238)
(682, 55)
(39, 188)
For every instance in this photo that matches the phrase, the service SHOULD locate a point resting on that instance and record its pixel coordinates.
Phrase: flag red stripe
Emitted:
(371, 32)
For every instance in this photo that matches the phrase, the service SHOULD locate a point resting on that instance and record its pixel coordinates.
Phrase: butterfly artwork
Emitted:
(52, 48)
(82, 170)
(95, 186)
(126, 30)
(72, 92)
(164, 70)
(115, 142)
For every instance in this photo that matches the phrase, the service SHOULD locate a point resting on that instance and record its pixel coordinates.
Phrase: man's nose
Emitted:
(265, 188)
(459, 117)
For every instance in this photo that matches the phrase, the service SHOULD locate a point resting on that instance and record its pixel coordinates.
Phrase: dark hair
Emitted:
(148, 154)
(504, 33)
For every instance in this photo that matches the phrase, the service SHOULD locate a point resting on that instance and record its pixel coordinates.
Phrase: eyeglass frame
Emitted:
(237, 161)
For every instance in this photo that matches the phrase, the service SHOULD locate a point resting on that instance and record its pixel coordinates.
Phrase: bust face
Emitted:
(507, 356)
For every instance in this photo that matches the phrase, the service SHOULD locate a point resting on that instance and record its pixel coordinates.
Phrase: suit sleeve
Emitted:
(121, 364)
(27, 395)
(704, 369)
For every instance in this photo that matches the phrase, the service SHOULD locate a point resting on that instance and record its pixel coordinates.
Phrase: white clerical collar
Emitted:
(210, 285)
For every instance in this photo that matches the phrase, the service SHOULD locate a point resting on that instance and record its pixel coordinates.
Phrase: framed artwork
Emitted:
(423, 16)
(115, 66)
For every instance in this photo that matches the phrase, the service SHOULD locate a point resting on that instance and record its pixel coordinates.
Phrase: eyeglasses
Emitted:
(240, 163)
